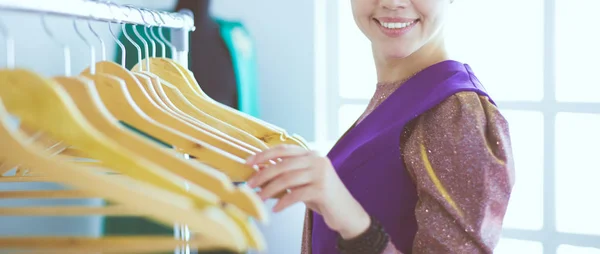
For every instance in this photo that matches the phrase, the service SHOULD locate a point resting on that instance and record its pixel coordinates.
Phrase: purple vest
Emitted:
(367, 158)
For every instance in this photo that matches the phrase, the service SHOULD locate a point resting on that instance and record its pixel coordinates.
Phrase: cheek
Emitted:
(366, 26)
(433, 12)
(362, 11)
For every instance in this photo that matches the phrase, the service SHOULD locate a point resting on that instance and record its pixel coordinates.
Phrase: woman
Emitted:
(427, 168)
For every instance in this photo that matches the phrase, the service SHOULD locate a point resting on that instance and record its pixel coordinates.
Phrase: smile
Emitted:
(396, 27)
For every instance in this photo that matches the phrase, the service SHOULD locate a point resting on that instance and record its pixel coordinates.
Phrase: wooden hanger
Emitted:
(41, 103)
(60, 118)
(112, 91)
(115, 94)
(150, 89)
(88, 101)
(110, 244)
(172, 95)
(293, 139)
(156, 80)
(148, 106)
(121, 105)
(252, 234)
(156, 204)
(181, 78)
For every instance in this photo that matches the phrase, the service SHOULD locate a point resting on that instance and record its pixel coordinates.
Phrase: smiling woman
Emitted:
(426, 168)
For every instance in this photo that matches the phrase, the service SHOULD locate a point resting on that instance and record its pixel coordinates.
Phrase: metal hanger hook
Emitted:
(146, 26)
(112, 33)
(102, 45)
(64, 46)
(171, 46)
(10, 46)
(153, 34)
(90, 45)
(139, 36)
(128, 37)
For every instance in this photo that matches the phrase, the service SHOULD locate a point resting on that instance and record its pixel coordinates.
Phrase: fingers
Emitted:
(269, 173)
(289, 180)
(274, 153)
(301, 194)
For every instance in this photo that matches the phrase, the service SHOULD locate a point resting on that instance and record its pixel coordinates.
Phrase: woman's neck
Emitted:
(391, 70)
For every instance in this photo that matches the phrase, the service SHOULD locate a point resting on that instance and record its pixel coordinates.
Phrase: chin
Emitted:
(398, 52)
(391, 49)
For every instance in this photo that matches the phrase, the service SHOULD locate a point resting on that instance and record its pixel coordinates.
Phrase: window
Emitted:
(538, 59)
(577, 51)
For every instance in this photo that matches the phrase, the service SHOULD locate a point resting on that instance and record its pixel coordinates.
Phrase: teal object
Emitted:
(243, 55)
(160, 142)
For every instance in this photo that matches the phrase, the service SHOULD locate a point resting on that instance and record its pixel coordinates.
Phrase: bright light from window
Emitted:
(357, 77)
(577, 51)
(506, 53)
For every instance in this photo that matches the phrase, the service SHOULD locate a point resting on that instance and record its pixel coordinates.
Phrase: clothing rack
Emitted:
(105, 11)
(180, 23)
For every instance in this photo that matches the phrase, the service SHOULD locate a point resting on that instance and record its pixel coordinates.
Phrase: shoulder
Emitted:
(466, 126)
(449, 85)
(463, 121)
(463, 105)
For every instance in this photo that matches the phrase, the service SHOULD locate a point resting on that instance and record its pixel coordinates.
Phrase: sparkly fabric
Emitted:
(458, 155)
(382, 91)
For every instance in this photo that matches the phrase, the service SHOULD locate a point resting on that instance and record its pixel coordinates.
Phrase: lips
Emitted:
(395, 27)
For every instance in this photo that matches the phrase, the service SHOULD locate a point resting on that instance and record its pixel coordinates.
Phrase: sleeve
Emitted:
(460, 157)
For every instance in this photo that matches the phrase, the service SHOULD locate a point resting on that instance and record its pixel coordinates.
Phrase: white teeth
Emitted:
(396, 25)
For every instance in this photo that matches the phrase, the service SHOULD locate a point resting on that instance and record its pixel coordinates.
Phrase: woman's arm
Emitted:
(459, 155)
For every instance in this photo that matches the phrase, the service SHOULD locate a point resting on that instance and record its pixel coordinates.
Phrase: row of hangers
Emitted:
(76, 130)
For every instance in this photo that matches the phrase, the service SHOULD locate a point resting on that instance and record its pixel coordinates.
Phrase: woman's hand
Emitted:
(312, 180)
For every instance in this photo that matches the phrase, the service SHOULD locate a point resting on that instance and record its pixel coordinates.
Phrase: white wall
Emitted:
(283, 34)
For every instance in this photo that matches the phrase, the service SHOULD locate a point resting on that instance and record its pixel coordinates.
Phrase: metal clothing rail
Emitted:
(180, 23)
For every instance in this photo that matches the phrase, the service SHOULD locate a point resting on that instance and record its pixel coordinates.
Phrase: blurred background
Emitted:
(311, 73)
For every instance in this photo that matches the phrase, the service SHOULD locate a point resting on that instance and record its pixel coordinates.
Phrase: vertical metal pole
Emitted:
(180, 39)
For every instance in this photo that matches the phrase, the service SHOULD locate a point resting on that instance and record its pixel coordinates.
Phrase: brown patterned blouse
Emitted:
(477, 172)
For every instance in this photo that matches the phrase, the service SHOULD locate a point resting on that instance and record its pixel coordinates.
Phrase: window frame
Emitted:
(328, 102)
